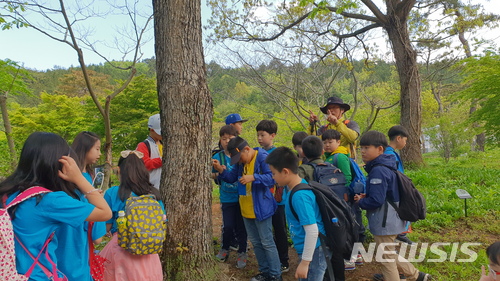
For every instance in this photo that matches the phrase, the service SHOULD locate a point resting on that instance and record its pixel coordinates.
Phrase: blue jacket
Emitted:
(381, 185)
(264, 204)
(228, 192)
(399, 163)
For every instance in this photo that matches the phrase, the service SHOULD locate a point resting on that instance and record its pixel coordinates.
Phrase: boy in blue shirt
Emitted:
(304, 229)
(266, 132)
(257, 204)
(398, 136)
(232, 220)
(383, 221)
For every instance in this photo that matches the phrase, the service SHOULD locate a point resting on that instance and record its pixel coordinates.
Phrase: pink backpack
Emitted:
(8, 271)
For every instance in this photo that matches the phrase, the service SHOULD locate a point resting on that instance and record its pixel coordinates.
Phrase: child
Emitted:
(398, 136)
(312, 146)
(297, 139)
(256, 201)
(397, 140)
(152, 149)
(134, 181)
(235, 120)
(331, 145)
(74, 240)
(45, 161)
(384, 223)
(304, 230)
(493, 252)
(87, 147)
(266, 132)
(232, 221)
(338, 156)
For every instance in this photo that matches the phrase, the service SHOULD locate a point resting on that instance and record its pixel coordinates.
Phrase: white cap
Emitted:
(154, 123)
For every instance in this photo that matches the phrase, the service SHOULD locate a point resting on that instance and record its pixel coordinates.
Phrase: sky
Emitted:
(34, 50)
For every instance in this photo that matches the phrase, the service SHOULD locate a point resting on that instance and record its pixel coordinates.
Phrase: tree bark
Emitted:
(8, 131)
(186, 114)
(409, 79)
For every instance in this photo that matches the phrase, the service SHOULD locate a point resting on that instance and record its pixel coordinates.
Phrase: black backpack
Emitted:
(340, 223)
(331, 176)
(412, 206)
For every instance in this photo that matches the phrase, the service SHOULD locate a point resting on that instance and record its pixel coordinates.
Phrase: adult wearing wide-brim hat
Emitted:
(334, 110)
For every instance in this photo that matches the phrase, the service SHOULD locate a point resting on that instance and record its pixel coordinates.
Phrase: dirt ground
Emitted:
(230, 272)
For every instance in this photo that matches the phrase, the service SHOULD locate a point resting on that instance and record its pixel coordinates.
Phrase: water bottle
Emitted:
(335, 220)
(121, 221)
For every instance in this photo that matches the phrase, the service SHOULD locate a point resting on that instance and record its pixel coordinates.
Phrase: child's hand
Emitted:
(484, 277)
(359, 196)
(302, 269)
(70, 170)
(246, 179)
(216, 164)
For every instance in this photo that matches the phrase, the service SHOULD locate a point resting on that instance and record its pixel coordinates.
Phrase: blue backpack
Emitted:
(358, 182)
(331, 176)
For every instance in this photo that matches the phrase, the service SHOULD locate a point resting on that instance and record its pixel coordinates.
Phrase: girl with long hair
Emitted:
(134, 181)
(46, 161)
(73, 250)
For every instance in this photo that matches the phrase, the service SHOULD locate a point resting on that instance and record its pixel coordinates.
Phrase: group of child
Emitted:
(61, 214)
(56, 226)
(260, 179)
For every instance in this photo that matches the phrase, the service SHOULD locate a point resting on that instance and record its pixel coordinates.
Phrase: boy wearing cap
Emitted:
(152, 148)
(335, 109)
(234, 119)
(232, 221)
(256, 202)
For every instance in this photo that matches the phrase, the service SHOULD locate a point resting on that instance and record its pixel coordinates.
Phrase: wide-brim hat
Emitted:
(337, 101)
(235, 147)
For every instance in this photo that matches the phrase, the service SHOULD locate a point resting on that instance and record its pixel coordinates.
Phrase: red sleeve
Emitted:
(150, 164)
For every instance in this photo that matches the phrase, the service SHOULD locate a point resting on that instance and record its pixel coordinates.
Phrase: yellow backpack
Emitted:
(144, 230)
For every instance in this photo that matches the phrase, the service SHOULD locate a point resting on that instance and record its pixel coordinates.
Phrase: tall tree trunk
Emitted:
(480, 139)
(8, 131)
(186, 114)
(409, 81)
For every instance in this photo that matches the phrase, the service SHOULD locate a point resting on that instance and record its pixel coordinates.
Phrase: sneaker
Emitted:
(285, 268)
(380, 277)
(349, 265)
(275, 278)
(241, 262)
(222, 255)
(359, 259)
(259, 277)
(404, 239)
(233, 246)
(424, 276)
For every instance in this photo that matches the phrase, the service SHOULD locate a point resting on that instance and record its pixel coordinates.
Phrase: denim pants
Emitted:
(317, 267)
(260, 233)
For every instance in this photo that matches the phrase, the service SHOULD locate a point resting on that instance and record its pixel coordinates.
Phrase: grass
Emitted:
(478, 174)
